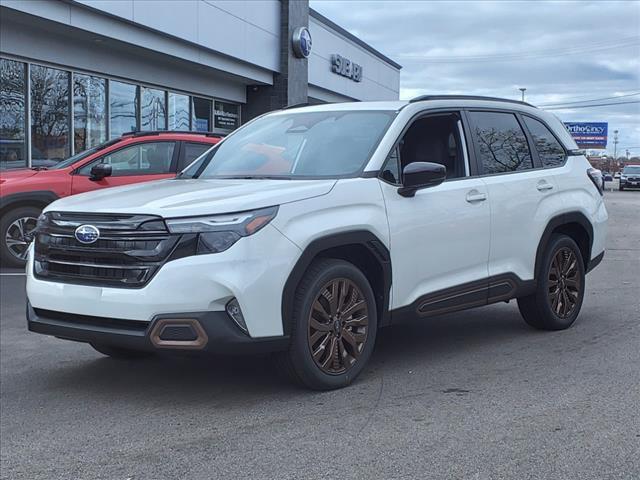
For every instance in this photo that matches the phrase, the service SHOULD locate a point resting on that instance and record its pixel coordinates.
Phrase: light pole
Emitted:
(522, 90)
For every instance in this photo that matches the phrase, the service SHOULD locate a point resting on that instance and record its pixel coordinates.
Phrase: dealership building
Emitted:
(75, 73)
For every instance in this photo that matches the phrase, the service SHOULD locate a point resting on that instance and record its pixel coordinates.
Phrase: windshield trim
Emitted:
(356, 174)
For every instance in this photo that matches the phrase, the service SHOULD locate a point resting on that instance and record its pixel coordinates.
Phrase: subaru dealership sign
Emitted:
(588, 134)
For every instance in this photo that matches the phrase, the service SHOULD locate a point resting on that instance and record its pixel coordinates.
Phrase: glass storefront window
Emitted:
(153, 110)
(201, 114)
(50, 140)
(89, 111)
(13, 152)
(123, 108)
(226, 116)
(178, 111)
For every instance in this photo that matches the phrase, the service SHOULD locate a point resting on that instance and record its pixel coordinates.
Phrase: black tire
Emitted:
(621, 188)
(545, 309)
(298, 362)
(8, 256)
(120, 353)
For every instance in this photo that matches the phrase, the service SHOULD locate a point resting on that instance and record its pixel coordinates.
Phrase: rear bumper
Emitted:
(212, 332)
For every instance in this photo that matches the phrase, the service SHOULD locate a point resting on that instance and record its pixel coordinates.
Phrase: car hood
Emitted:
(187, 197)
(18, 174)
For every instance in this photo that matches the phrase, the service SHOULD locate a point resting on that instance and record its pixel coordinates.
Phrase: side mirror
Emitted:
(99, 171)
(419, 175)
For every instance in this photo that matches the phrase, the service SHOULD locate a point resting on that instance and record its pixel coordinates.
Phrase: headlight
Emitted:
(216, 233)
(623, 177)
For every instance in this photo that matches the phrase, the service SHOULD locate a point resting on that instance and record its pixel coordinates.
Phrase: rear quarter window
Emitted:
(549, 149)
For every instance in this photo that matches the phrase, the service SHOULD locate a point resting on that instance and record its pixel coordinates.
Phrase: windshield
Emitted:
(631, 170)
(297, 145)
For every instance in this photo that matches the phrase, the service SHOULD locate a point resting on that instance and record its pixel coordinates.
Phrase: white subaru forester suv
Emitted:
(307, 230)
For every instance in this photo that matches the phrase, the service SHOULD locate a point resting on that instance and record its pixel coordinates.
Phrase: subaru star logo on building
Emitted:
(87, 234)
(302, 42)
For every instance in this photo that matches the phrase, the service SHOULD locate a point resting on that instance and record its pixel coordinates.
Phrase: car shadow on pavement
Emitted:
(189, 377)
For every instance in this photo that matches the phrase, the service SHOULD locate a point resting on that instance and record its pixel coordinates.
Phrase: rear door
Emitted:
(518, 187)
(140, 162)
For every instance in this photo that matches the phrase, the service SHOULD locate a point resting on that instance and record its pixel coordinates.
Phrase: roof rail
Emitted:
(423, 98)
(140, 133)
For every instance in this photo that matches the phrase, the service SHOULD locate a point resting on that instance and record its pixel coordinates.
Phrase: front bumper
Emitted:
(630, 183)
(218, 333)
(253, 271)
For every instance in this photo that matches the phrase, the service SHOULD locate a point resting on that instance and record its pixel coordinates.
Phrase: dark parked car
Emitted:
(630, 177)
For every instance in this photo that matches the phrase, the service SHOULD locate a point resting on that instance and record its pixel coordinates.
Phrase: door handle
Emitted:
(476, 196)
(544, 185)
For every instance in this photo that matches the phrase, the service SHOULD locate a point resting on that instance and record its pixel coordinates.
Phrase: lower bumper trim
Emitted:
(222, 335)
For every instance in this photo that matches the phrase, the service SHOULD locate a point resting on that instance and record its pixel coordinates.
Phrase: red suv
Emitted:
(135, 157)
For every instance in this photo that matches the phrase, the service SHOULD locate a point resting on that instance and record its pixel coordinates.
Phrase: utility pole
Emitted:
(615, 147)
(522, 90)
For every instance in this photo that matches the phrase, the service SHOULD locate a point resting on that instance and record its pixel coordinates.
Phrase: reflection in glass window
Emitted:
(549, 149)
(153, 110)
(49, 116)
(201, 114)
(502, 144)
(191, 152)
(89, 111)
(328, 144)
(13, 152)
(123, 108)
(140, 159)
(178, 111)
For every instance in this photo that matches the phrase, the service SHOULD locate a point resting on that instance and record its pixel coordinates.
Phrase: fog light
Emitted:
(233, 310)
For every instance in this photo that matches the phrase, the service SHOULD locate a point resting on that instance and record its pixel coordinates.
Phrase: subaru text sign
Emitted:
(589, 135)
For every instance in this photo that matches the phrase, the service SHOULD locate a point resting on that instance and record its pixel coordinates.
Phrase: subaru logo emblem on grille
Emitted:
(87, 234)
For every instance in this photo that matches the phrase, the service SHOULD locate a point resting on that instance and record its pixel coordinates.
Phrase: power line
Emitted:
(597, 105)
(590, 100)
(581, 97)
(626, 42)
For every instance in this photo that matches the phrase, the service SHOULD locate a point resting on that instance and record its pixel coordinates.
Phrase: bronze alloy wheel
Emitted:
(564, 282)
(338, 326)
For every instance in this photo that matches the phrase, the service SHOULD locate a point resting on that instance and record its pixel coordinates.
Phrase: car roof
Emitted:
(446, 101)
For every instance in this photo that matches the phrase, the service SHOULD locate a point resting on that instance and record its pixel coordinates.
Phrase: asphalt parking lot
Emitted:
(471, 395)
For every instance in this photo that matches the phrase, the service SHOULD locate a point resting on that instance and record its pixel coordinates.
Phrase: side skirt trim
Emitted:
(469, 295)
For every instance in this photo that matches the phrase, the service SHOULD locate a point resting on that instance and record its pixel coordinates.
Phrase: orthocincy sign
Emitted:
(588, 135)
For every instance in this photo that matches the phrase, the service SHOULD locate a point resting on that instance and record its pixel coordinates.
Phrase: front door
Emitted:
(439, 238)
(140, 162)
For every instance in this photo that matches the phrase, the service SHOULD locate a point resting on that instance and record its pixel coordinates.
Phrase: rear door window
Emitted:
(191, 151)
(500, 142)
(549, 149)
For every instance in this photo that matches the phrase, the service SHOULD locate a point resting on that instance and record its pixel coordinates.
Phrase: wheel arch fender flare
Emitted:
(348, 239)
(560, 221)
(35, 197)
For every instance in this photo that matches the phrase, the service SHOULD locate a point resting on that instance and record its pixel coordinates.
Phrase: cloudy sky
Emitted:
(562, 52)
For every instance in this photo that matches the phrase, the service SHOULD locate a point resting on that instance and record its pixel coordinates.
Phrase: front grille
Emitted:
(128, 252)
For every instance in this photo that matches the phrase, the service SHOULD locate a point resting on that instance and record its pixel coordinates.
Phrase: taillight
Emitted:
(597, 179)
